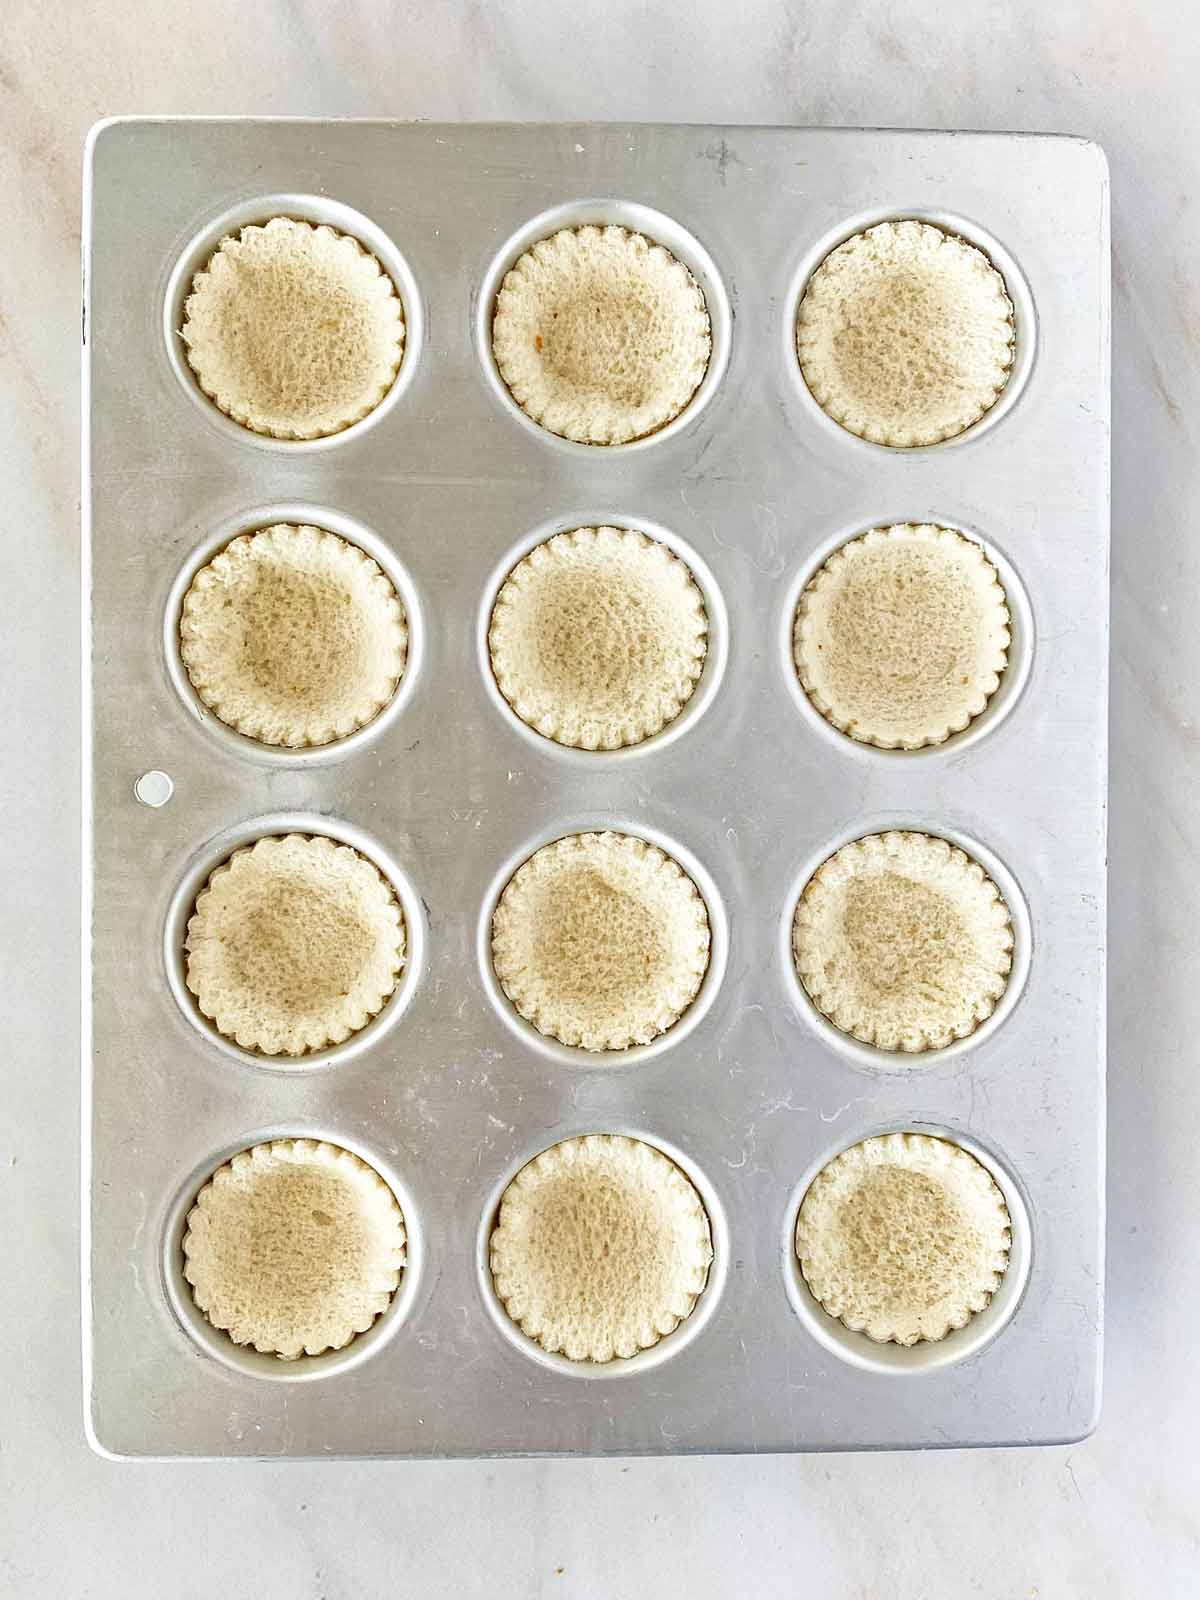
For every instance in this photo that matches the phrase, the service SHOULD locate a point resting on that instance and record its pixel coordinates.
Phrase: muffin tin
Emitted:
(449, 1093)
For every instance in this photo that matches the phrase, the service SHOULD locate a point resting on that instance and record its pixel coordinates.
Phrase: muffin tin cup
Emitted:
(670, 1345)
(928, 1355)
(707, 686)
(355, 533)
(448, 1092)
(1025, 321)
(870, 1056)
(659, 229)
(1001, 703)
(316, 209)
(218, 851)
(261, 1365)
(634, 1055)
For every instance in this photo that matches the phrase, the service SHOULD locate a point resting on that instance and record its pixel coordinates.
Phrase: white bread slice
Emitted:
(901, 637)
(601, 335)
(905, 334)
(598, 637)
(903, 1237)
(295, 943)
(293, 636)
(295, 331)
(600, 940)
(602, 1247)
(294, 1247)
(903, 941)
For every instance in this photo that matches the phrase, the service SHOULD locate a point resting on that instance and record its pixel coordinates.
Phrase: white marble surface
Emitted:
(1116, 1516)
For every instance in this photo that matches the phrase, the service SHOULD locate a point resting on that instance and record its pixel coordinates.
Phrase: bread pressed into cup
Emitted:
(601, 335)
(600, 940)
(901, 637)
(903, 1237)
(601, 1249)
(293, 329)
(903, 941)
(294, 1246)
(293, 636)
(598, 637)
(905, 334)
(295, 943)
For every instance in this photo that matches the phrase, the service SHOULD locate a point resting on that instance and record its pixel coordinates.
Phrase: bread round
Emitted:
(293, 330)
(901, 637)
(294, 1247)
(905, 334)
(295, 943)
(598, 637)
(903, 1237)
(602, 1248)
(601, 335)
(600, 940)
(293, 636)
(903, 941)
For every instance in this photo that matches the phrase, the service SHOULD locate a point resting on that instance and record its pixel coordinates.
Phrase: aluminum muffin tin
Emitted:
(449, 1092)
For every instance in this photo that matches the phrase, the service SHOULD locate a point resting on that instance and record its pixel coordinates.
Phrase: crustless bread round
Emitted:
(901, 637)
(601, 1249)
(903, 1237)
(294, 1247)
(295, 943)
(601, 335)
(600, 940)
(903, 941)
(293, 636)
(905, 334)
(598, 637)
(293, 330)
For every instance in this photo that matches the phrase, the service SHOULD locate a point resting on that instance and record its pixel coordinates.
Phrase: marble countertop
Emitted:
(1118, 1515)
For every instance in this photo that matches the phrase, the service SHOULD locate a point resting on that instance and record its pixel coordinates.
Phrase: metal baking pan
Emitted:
(450, 1093)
